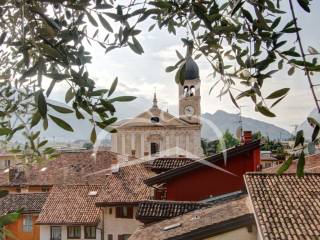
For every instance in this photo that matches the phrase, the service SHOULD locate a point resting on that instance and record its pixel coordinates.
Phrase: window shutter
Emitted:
(110, 237)
(118, 212)
(130, 212)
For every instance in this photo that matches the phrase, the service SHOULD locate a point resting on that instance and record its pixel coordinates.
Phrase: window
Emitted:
(192, 91)
(74, 232)
(27, 223)
(55, 233)
(123, 236)
(90, 232)
(7, 163)
(186, 91)
(110, 237)
(154, 148)
(110, 210)
(155, 119)
(124, 212)
(45, 189)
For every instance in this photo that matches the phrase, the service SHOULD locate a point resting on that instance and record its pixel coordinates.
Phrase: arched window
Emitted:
(192, 91)
(154, 148)
(186, 91)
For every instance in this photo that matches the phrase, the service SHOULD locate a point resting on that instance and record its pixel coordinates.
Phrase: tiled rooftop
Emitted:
(164, 164)
(312, 165)
(71, 204)
(154, 210)
(286, 207)
(68, 168)
(29, 202)
(210, 218)
(126, 186)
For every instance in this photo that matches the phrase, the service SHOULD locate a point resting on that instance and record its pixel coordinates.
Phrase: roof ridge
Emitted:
(171, 201)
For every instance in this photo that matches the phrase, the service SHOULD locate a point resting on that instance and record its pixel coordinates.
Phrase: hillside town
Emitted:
(159, 120)
(156, 183)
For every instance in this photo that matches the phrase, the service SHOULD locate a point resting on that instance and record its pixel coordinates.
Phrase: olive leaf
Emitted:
(61, 123)
(279, 93)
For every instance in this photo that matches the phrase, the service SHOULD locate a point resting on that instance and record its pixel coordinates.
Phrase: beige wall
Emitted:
(14, 159)
(45, 233)
(117, 226)
(124, 141)
(238, 234)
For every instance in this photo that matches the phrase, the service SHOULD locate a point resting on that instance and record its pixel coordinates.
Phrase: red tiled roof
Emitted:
(164, 164)
(126, 186)
(28, 202)
(199, 224)
(68, 168)
(312, 165)
(285, 206)
(71, 204)
(229, 153)
(155, 210)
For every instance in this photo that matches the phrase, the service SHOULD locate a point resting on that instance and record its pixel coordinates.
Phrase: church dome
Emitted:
(192, 69)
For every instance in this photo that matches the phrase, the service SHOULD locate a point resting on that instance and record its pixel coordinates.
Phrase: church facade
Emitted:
(157, 133)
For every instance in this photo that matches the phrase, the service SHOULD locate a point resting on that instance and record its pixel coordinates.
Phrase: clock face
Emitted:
(189, 111)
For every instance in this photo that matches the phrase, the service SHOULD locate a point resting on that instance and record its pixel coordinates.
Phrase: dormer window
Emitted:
(155, 119)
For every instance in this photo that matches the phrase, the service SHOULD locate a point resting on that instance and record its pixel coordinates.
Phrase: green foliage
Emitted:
(227, 141)
(44, 41)
(243, 41)
(88, 146)
(7, 219)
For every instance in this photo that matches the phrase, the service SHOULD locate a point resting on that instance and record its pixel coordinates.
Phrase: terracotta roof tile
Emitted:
(126, 186)
(207, 218)
(155, 210)
(286, 207)
(29, 202)
(68, 168)
(312, 165)
(164, 164)
(71, 204)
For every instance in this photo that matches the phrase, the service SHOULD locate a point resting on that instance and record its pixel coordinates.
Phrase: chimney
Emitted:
(115, 165)
(247, 137)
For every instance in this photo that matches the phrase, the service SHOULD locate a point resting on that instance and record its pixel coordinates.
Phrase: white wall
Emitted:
(45, 233)
(117, 226)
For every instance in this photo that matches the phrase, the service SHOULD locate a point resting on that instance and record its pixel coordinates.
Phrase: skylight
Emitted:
(172, 226)
(92, 193)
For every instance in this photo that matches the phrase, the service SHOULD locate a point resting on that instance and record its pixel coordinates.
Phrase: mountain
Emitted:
(216, 124)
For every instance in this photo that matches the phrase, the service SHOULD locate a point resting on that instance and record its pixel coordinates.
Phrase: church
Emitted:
(157, 133)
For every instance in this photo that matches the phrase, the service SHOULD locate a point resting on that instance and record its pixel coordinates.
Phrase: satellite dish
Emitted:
(238, 132)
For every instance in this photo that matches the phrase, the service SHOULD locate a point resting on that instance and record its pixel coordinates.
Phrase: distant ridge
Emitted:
(224, 121)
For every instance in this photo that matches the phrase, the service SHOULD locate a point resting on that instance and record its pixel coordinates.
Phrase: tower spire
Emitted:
(155, 101)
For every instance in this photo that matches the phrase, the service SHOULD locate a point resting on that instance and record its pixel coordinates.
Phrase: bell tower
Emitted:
(189, 92)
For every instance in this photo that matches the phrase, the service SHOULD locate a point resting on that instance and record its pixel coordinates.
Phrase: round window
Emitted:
(155, 119)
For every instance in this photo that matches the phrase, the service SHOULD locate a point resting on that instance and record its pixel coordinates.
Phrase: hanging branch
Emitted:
(303, 56)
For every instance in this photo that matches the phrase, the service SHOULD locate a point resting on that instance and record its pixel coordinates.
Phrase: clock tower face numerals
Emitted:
(189, 111)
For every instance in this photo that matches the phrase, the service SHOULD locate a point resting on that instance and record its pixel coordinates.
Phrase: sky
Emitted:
(140, 75)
